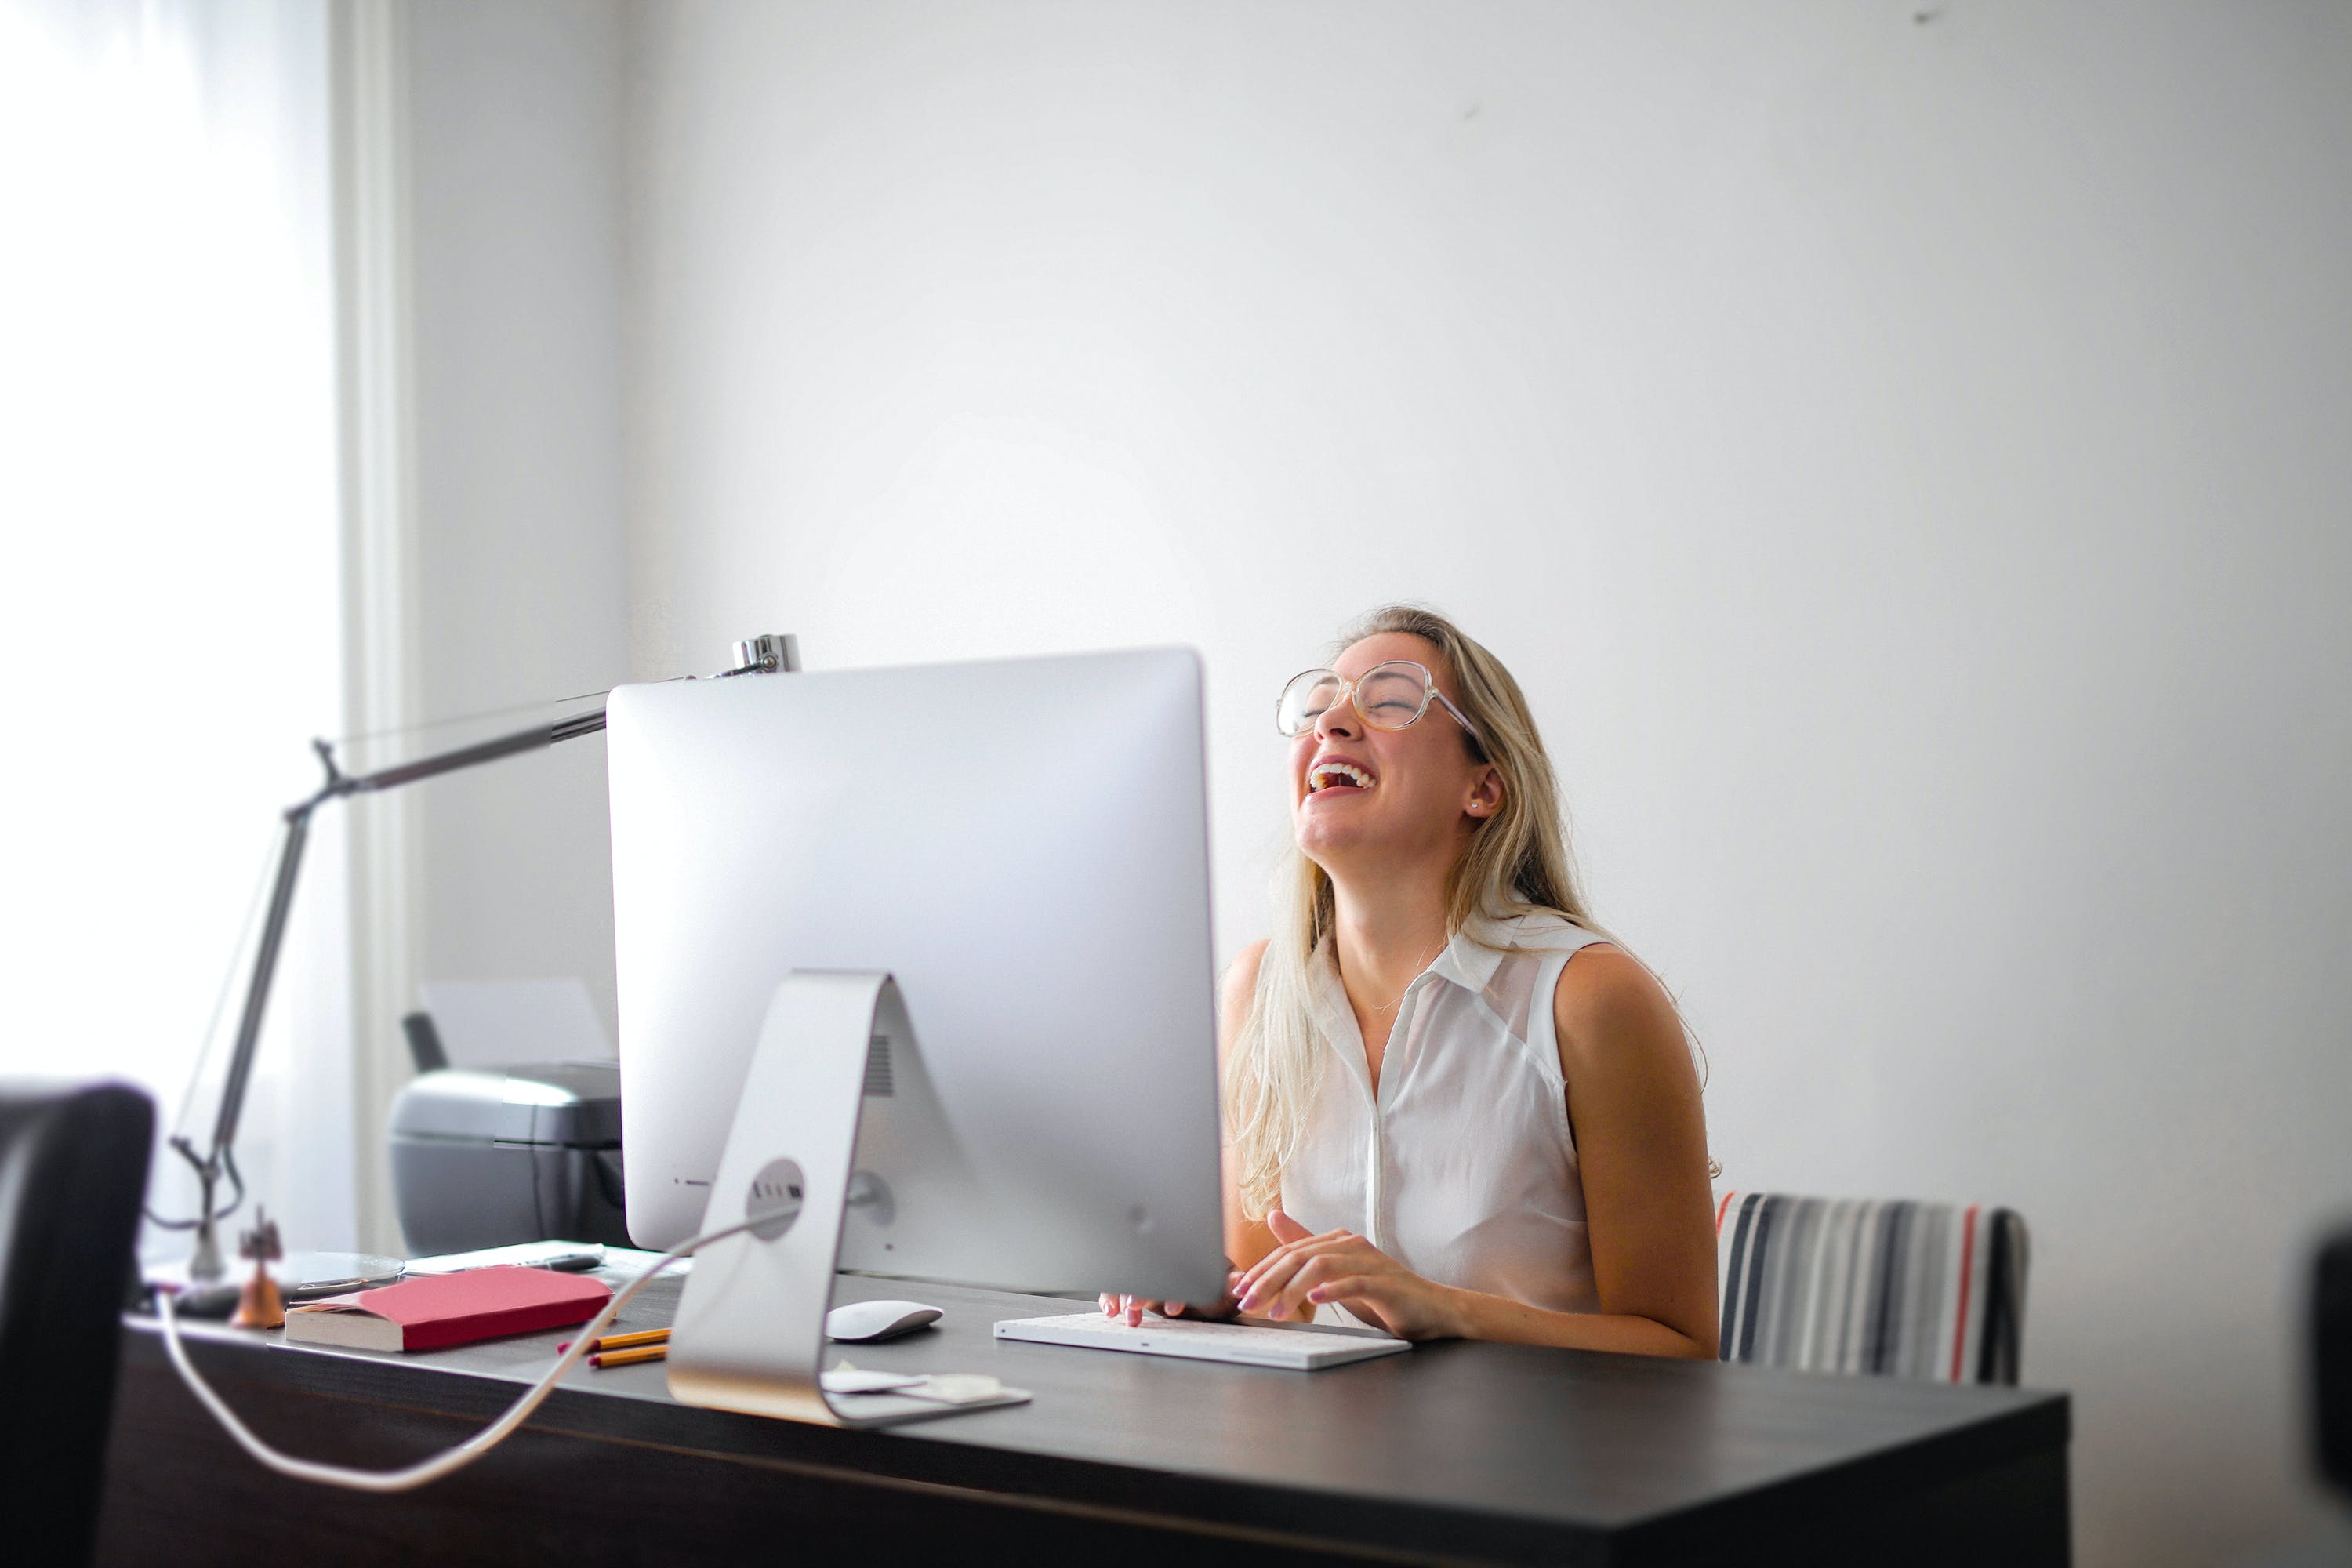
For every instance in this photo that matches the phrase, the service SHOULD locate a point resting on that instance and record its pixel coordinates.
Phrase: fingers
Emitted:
(1276, 1291)
(1219, 1311)
(1249, 1276)
(1296, 1296)
(1130, 1309)
(1374, 1299)
(1244, 1288)
(1344, 1288)
(1280, 1258)
(1286, 1228)
(1286, 1283)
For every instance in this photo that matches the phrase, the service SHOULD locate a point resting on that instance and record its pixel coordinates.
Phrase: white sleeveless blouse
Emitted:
(1462, 1167)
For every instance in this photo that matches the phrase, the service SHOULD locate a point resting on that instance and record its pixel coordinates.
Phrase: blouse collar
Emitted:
(1469, 960)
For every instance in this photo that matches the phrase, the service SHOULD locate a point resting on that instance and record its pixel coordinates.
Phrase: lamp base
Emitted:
(307, 1276)
(302, 1276)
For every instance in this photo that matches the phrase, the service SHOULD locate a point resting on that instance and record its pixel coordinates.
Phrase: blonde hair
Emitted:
(1516, 863)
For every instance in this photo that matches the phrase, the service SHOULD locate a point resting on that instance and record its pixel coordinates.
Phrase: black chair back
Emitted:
(2331, 1347)
(73, 1172)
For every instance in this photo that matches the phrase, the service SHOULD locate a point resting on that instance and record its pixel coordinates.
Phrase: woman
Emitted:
(1453, 1107)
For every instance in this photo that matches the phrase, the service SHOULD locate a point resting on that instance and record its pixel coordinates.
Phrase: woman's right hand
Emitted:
(1131, 1308)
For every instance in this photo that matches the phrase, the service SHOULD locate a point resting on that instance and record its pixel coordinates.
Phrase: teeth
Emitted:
(1343, 772)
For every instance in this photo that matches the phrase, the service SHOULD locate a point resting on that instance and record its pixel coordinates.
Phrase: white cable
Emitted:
(453, 1459)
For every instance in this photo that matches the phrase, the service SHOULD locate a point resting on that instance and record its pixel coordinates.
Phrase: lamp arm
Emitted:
(756, 656)
(289, 867)
(256, 987)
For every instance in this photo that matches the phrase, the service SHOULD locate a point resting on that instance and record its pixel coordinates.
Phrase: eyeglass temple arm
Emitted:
(1459, 717)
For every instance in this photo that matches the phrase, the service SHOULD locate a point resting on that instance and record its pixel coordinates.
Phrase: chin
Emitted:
(1319, 843)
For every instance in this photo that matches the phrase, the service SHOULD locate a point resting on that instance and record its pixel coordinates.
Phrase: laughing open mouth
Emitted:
(1336, 776)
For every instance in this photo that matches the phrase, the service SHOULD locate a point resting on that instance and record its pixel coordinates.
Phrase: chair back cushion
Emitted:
(2331, 1360)
(73, 1172)
(1901, 1289)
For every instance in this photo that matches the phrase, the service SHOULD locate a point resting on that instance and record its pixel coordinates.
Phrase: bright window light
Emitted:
(169, 607)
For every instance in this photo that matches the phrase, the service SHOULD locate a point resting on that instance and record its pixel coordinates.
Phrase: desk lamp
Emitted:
(309, 1273)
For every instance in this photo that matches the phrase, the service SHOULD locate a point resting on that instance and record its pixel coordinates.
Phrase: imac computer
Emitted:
(920, 959)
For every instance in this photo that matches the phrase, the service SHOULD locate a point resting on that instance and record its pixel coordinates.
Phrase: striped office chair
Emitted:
(1902, 1290)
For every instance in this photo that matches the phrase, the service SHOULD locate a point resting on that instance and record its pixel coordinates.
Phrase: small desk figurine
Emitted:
(258, 1305)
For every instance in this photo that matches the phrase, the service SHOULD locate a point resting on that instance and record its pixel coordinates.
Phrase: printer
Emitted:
(488, 1157)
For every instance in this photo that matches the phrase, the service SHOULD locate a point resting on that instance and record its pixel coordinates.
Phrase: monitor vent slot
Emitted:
(877, 1067)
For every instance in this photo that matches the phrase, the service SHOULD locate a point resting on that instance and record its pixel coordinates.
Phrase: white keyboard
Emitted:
(1302, 1349)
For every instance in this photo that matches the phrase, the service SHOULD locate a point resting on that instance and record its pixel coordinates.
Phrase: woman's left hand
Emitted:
(1339, 1266)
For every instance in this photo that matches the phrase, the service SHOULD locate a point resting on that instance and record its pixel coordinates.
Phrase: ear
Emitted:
(1485, 796)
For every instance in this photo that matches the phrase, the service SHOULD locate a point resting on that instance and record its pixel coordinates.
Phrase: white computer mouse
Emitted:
(878, 1319)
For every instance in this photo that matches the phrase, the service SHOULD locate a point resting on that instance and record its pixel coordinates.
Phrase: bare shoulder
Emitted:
(1241, 979)
(1233, 996)
(1609, 1005)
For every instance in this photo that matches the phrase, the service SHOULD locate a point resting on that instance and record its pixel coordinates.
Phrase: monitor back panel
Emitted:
(1023, 844)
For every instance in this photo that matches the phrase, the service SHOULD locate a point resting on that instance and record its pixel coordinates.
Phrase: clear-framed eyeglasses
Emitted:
(1392, 696)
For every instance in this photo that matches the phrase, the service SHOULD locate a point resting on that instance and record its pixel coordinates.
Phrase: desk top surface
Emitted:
(1520, 1443)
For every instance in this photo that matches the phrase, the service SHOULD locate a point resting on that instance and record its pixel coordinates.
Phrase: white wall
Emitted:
(516, 219)
(1904, 458)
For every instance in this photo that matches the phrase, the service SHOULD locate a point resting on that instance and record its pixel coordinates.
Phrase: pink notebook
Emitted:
(444, 1309)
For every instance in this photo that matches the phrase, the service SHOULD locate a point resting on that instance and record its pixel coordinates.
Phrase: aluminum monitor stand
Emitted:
(750, 1325)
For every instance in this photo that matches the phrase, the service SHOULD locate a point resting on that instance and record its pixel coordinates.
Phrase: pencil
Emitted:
(622, 1341)
(623, 1358)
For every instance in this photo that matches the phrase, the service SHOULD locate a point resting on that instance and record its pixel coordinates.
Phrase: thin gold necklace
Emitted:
(1417, 972)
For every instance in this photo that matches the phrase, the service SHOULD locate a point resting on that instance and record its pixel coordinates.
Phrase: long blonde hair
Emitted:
(1517, 862)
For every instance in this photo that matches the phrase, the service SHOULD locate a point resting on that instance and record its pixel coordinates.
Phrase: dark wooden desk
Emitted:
(1455, 1452)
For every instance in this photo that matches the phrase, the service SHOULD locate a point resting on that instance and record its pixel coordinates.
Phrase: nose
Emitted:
(1339, 720)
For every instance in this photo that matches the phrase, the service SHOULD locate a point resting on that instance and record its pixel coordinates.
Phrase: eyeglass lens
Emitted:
(1389, 697)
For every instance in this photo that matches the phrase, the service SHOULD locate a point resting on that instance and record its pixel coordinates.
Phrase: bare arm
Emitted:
(1641, 1141)
(1246, 1240)
(1641, 1144)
